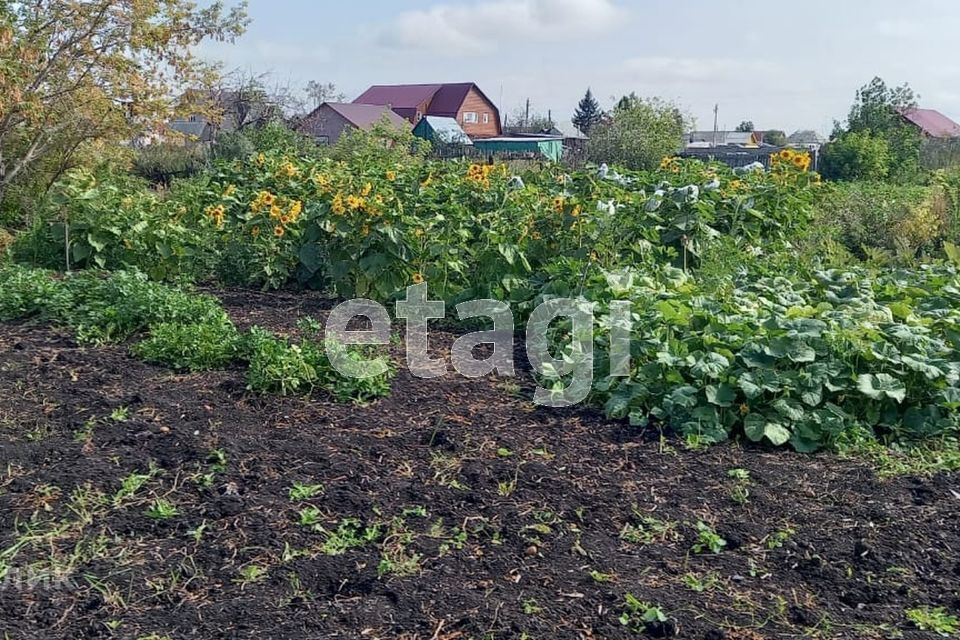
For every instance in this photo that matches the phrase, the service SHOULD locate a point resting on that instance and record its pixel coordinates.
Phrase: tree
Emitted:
(74, 72)
(320, 92)
(588, 113)
(244, 100)
(639, 134)
(745, 127)
(877, 112)
(775, 137)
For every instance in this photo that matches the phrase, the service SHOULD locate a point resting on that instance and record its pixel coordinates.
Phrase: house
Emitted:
(330, 120)
(931, 123)
(195, 128)
(441, 130)
(706, 139)
(464, 102)
(806, 139)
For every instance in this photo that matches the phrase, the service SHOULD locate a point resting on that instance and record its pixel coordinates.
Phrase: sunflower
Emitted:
(255, 232)
(337, 205)
(787, 155)
(278, 231)
(558, 203)
(801, 161)
(367, 188)
(355, 202)
(391, 175)
(417, 278)
(267, 198)
(576, 211)
(275, 211)
(295, 209)
(285, 219)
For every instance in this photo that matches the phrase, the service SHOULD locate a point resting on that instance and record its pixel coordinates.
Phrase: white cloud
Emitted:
(475, 27)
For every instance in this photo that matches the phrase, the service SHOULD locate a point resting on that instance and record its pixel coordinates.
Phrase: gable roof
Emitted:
(932, 122)
(364, 116)
(402, 96)
(443, 99)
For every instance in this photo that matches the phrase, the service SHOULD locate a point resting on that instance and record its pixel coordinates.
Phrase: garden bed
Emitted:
(136, 502)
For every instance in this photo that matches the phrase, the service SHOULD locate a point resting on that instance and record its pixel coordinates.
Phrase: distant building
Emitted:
(707, 139)
(931, 123)
(806, 139)
(464, 102)
(330, 120)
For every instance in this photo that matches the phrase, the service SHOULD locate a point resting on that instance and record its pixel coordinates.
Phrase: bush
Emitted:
(874, 219)
(113, 221)
(856, 156)
(230, 146)
(276, 366)
(24, 292)
(161, 163)
(193, 347)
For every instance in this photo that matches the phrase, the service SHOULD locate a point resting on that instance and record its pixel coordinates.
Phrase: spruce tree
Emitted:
(588, 113)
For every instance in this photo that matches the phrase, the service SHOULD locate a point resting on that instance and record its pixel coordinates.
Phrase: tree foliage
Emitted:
(876, 121)
(588, 113)
(320, 92)
(639, 133)
(857, 156)
(71, 71)
(775, 137)
(745, 126)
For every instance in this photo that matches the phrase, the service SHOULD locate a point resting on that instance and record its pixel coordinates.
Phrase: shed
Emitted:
(547, 147)
(441, 130)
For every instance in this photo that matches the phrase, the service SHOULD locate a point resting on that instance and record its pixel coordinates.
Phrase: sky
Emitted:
(781, 65)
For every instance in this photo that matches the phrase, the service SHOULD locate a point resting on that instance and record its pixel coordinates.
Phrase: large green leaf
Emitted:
(881, 385)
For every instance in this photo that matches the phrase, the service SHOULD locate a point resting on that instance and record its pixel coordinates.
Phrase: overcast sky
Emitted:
(783, 65)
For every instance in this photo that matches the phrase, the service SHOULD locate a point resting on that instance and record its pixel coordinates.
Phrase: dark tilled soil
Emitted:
(487, 517)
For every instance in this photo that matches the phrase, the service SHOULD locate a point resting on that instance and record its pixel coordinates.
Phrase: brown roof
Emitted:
(932, 123)
(444, 99)
(364, 116)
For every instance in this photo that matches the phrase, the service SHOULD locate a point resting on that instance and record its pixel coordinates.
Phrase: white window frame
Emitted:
(470, 117)
(486, 118)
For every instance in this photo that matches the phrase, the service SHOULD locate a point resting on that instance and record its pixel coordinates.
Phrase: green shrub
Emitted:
(898, 220)
(193, 347)
(276, 366)
(24, 292)
(161, 163)
(115, 222)
(856, 156)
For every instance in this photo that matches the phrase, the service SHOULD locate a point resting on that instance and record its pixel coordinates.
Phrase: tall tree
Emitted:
(73, 71)
(639, 135)
(320, 92)
(746, 126)
(876, 113)
(587, 114)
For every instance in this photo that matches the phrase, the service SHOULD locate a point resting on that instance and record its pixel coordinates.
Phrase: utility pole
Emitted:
(716, 116)
(526, 116)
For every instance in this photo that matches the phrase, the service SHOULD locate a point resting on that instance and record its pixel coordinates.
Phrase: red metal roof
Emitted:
(442, 99)
(364, 116)
(403, 96)
(933, 123)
